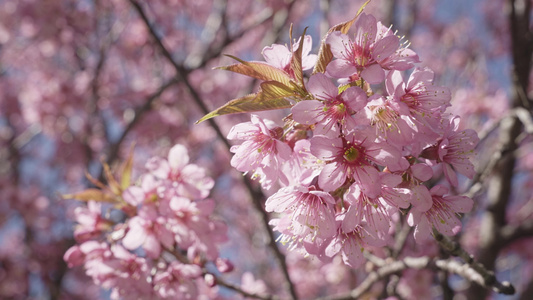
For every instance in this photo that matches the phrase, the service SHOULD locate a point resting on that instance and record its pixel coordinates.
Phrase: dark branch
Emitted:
(486, 279)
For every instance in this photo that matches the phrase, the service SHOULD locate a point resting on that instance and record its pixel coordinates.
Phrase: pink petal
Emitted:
(355, 97)
(394, 84)
(450, 174)
(306, 112)
(152, 246)
(334, 247)
(322, 87)
(421, 198)
(337, 42)
(134, 238)
(178, 157)
(331, 177)
(385, 47)
(133, 195)
(420, 76)
(461, 204)
(325, 148)
(277, 55)
(368, 178)
(373, 74)
(158, 167)
(422, 171)
(341, 68)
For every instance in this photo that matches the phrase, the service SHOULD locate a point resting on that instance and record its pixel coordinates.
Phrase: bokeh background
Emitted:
(83, 81)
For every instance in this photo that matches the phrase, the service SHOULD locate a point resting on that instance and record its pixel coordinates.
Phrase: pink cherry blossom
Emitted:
(190, 179)
(351, 240)
(354, 157)
(280, 56)
(366, 54)
(148, 230)
(390, 124)
(454, 150)
(262, 152)
(420, 99)
(441, 215)
(303, 166)
(91, 224)
(309, 214)
(177, 281)
(372, 210)
(330, 111)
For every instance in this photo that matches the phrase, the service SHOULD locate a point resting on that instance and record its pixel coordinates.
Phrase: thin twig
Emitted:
(237, 289)
(384, 271)
(139, 112)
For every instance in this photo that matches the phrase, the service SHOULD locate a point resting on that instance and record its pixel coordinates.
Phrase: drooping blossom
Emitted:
(413, 179)
(309, 214)
(372, 210)
(302, 167)
(330, 111)
(113, 267)
(442, 215)
(177, 281)
(262, 151)
(420, 100)
(454, 150)
(351, 240)
(193, 228)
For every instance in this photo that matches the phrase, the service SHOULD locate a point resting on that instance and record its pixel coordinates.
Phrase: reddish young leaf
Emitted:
(259, 70)
(92, 195)
(296, 61)
(271, 96)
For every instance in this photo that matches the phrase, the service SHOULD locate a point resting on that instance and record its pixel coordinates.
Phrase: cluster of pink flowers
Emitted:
(163, 239)
(348, 158)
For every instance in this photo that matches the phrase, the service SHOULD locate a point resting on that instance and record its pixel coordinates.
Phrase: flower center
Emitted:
(351, 155)
(340, 108)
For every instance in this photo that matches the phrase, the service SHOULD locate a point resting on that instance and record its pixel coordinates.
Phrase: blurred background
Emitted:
(82, 81)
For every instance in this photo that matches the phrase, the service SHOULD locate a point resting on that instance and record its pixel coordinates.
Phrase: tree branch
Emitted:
(139, 112)
(237, 289)
(486, 279)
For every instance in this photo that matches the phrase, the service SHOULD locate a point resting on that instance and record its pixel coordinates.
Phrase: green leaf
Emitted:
(324, 54)
(259, 70)
(271, 96)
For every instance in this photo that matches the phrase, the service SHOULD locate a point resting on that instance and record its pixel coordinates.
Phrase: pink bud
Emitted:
(224, 265)
(210, 280)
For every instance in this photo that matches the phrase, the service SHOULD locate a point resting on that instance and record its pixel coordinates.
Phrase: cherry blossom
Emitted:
(261, 152)
(441, 215)
(331, 111)
(368, 53)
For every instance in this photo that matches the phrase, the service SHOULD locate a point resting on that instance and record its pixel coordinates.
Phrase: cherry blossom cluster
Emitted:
(367, 145)
(163, 239)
